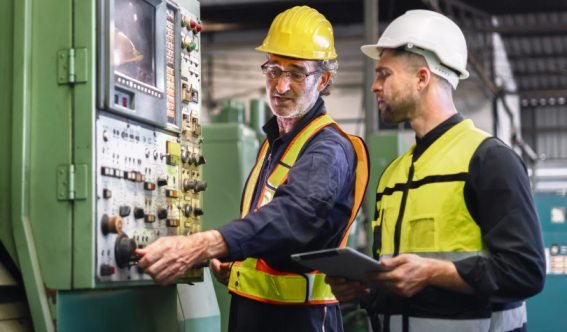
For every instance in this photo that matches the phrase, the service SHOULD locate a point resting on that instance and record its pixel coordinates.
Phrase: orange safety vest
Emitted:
(253, 278)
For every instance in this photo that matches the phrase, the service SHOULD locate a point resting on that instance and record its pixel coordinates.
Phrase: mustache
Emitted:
(283, 95)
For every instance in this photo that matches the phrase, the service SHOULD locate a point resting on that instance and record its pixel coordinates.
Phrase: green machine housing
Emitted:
(102, 154)
(546, 310)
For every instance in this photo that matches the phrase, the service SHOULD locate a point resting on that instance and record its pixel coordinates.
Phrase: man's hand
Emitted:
(169, 257)
(346, 290)
(408, 274)
(220, 270)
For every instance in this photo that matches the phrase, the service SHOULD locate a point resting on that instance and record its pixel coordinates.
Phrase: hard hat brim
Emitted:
(371, 50)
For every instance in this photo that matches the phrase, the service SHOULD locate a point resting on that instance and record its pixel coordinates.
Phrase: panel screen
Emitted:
(134, 40)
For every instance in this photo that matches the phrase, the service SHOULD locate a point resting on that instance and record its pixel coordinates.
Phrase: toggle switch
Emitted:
(198, 212)
(162, 214)
(161, 182)
(138, 213)
(124, 211)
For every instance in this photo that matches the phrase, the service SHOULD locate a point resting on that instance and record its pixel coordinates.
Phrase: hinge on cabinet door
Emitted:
(72, 66)
(71, 182)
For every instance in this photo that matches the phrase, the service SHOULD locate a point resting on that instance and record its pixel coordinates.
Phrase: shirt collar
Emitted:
(421, 144)
(273, 132)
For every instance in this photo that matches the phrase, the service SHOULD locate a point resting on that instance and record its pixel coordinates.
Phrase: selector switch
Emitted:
(124, 211)
(162, 213)
(161, 182)
(138, 213)
(198, 212)
(106, 193)
(201, 161)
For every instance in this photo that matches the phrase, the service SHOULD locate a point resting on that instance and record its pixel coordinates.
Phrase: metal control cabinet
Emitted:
(103, 154)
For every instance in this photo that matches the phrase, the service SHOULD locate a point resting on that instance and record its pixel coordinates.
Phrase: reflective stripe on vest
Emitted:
(253, 278)
(427, 213)
(501, 321)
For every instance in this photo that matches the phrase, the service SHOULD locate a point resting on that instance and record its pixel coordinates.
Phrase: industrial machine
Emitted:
(102, 146)
(546, 312)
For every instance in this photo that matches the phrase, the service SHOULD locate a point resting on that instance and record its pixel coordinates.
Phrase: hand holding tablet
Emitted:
(339, 262)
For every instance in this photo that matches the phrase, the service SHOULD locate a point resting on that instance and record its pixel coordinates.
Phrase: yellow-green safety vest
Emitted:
(253, 278)
(421, 207)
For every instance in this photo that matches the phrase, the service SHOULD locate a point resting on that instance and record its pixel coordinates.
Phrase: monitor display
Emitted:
(134, 40)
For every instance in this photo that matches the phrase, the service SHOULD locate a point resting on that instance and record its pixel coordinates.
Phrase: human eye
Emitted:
(382, 74)
(297, 75)
(272, 72)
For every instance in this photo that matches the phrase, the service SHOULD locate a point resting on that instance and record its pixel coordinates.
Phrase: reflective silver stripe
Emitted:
(509, 320)
(448, 256)
(439, 325)
(310, 282)
(501, 321)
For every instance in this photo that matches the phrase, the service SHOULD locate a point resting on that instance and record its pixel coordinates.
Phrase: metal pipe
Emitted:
(370, 37)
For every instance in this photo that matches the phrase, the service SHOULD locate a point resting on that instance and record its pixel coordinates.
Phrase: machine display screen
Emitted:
(134, 40)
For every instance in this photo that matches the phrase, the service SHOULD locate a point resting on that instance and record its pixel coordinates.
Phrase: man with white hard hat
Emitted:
(455, 226)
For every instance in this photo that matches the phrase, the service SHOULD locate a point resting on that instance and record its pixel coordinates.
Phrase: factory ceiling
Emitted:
(534, 33)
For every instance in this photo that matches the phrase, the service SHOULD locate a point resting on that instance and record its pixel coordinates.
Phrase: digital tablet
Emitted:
(339, 262)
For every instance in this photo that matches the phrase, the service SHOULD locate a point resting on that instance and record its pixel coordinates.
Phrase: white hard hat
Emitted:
(419, 30)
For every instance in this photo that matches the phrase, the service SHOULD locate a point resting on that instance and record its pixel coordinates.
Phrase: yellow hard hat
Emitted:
(300, 32)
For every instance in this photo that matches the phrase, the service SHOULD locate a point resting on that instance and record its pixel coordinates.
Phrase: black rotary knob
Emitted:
(124, 250)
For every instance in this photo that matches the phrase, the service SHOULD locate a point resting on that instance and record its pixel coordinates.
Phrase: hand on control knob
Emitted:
(169, 257)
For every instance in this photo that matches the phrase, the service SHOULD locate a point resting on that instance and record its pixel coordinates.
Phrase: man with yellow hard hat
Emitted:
(302, 194)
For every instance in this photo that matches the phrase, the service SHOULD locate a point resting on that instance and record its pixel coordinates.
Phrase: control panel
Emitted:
(148, 136)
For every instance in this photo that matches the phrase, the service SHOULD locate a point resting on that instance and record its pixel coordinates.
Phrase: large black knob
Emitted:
(124, 250)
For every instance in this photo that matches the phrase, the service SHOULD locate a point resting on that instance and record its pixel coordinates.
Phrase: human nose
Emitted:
(377, 86)
(283, 83)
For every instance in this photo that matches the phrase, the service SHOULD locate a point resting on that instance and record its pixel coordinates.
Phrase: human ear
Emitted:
(324, 80)
(423, 78)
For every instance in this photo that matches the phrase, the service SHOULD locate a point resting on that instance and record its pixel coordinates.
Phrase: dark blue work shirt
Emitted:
(310, 211)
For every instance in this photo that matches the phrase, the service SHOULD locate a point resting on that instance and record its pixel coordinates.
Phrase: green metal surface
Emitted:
(50, 140)
(20, 166)
(383, 147)
(135, 309)
(546, 311)
(6, 70)
(230, 150)
(83, 104)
